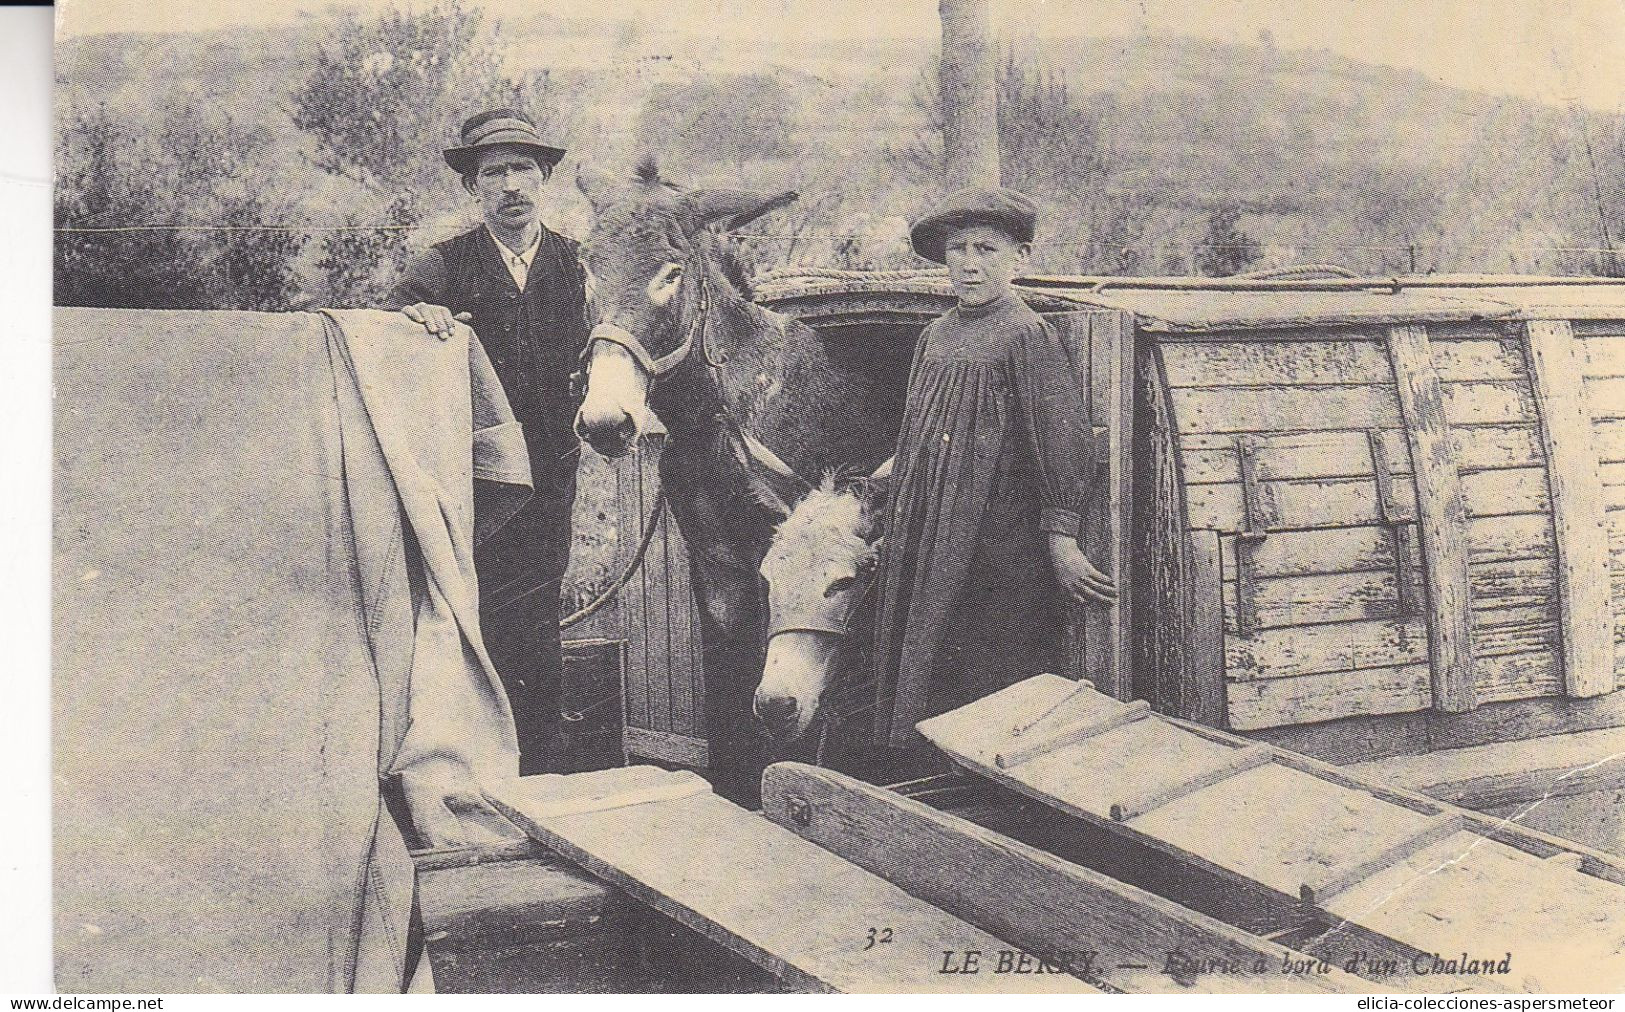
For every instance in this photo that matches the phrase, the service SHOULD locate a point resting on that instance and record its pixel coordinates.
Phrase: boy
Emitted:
(982, 537)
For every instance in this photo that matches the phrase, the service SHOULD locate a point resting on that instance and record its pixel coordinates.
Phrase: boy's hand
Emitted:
(1077, 576)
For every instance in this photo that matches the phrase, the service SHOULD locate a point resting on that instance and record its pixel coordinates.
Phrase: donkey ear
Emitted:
(730, 209)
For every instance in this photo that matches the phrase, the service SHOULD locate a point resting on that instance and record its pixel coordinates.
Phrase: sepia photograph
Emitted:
(784, 496)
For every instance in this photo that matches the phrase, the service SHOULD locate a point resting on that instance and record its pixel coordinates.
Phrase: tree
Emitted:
(175, 220)
(391, 86)
(970, 108)
(732, 119)
(1224, 249)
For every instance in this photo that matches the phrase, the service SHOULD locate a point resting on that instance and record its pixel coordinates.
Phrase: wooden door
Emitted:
(1096, 645)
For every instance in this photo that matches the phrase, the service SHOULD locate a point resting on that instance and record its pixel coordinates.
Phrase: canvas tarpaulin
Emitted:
(264, 605)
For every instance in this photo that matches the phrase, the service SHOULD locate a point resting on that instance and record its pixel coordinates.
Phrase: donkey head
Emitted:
(818, 570)
(646, 258)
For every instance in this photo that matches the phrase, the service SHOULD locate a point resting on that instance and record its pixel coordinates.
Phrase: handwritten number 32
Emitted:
(877, 936)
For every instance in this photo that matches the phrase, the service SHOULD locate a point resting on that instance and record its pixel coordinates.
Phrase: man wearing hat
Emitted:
(981, 546)
(522, 289)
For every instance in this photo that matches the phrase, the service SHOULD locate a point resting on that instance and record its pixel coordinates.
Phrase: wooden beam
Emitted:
(1238, 761)
(1049, 907)
(1100, 344)
(1587, 620)
(1337, 880)
(1442, 513)
(1204, 690)
(782, 902)
(1021, 751)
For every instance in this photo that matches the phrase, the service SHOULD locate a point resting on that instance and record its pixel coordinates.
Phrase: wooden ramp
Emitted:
(779, 900)
(1434, 879)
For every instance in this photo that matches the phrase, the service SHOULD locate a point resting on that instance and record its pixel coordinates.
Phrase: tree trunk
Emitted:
(970, 114)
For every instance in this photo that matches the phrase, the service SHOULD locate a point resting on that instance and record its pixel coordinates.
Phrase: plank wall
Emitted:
(1603, 364)
(1326, 615)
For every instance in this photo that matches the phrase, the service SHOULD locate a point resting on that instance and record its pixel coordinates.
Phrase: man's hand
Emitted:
(1077, 576)
(437, 320)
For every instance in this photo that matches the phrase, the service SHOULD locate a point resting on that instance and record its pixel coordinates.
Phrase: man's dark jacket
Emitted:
(533, 339)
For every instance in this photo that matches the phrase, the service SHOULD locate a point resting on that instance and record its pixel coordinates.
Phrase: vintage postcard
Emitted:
(1104, 496)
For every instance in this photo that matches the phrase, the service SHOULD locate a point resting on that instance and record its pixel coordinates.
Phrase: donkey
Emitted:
(819, 571)
(751, 401)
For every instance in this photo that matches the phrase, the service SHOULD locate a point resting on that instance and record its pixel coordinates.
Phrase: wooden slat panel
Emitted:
(1458, 360)
(686, 705)
(1602, 357)
(1504, 444)
(1265, 363)
(1269, 409)
(1512, 537)
(1211, 459)
(1582, 547)
(1291, 651)
(736, 874)
(1332, 502)
(1442, 512)
(1271, 702)
(1045, 905)
(1307, 600)
(1607, 397)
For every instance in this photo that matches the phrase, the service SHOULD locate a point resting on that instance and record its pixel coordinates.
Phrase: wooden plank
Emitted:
(1527, 536)
(1514, 630)
(1510, 772)
(1608, 433)
(1501, 444)
(1607, 397)
(1042, 904)
(686, 704)
(1516, 583)
(1442, 512)
(1129, 806)
(1203, 688)
(1337, 880)
(1518, 676)
(1211, 459)
(1323, 826)
(1481, 358)
(1100, 345)
(1342, 502)
(1488, 401)
(734, 876)
(1602, 357)
(1251, 363)
(1564, 931)
(629, 481)
(1024, 748)
(1310, 600)
(1290, 651)
(1272, 702)
(652, 581)
(1209, 409)
(1504, 492)
(1610, 867)
(666, 746)
(1315, 552)
(1576, 491)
